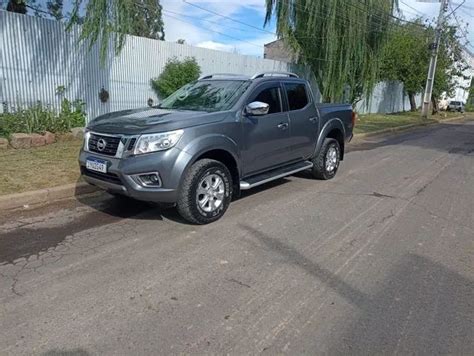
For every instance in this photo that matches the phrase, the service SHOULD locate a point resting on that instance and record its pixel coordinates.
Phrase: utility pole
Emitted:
(434, 58)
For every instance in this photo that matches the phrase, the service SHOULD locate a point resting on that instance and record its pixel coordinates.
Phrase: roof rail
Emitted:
(275, 74)
(210, 76)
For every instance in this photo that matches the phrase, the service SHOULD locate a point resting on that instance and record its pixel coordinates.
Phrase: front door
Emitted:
(304, 119)
(265, 137)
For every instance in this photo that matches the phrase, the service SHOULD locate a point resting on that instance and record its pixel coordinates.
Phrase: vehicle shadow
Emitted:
(110, 208)
(422, 307)
(458, 140)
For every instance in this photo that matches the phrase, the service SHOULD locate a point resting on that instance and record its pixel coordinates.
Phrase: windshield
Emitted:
(215, 95)
(455, 103)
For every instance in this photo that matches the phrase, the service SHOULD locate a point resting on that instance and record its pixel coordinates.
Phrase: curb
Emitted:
(44, 196)
(407, 127)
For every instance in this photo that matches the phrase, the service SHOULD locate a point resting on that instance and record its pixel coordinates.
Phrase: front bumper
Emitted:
(170, 165)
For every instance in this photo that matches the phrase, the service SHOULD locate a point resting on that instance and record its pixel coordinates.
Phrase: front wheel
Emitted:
(326, 163)
(206, 192)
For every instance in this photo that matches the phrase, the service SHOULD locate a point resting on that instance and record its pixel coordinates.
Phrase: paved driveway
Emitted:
(378, 260)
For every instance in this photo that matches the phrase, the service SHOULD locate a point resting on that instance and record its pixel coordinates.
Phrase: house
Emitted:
(278, 51)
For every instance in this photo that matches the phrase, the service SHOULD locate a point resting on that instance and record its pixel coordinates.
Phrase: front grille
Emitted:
(111, 144)
(106, 177)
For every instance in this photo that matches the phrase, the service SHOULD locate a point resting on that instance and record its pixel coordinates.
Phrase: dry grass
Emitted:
(37, 168)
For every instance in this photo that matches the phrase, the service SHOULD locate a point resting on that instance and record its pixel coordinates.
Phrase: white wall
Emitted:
(37, 56)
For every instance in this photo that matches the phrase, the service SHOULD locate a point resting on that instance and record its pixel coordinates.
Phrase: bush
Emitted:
(470, 107)
(39, 118)
(175, 74)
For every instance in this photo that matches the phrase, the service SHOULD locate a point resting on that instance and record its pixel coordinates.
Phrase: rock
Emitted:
(3, 143)
(78, 132)
(37, 140)
(20, 140)
(49, 137)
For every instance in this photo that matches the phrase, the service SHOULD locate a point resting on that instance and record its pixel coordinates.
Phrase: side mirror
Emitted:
(257, 108)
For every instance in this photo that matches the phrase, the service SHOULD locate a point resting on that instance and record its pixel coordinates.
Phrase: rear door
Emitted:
(303, 117)
(266, 136)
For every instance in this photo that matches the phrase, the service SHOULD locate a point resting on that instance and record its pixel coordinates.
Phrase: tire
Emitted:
(192, 204)
(322, 170)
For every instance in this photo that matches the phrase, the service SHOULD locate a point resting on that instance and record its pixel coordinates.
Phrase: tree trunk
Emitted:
(411, 96)
(434, 105)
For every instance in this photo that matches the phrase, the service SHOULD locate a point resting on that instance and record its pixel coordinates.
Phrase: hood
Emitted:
(150, 120)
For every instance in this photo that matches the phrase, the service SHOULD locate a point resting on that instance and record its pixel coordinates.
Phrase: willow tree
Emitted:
(340, 40)
(109, 21)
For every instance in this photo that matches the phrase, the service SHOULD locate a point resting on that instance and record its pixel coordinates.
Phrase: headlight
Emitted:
(157, 142)
(87, 135)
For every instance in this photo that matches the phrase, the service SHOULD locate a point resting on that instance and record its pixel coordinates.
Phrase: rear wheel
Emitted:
(206, 192)
(326, 163)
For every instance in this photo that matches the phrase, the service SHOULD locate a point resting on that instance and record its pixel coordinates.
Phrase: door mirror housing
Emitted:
(257, 108)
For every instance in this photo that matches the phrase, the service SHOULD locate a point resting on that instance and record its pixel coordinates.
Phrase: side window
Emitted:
(270, 96)
(297, 96)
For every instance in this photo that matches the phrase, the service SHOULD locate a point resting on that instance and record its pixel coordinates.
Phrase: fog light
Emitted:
(149, 179)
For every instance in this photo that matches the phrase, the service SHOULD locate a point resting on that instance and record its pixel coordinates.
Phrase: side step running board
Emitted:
(266, 177)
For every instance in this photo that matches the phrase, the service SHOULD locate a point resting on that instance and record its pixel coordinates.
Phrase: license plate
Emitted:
(97, 165)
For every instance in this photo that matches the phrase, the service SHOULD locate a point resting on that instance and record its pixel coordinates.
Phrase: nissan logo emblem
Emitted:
(101, 144)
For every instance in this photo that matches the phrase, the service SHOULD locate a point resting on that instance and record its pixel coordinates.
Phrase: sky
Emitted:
(238, 25)
(205, 29)
(209, 30)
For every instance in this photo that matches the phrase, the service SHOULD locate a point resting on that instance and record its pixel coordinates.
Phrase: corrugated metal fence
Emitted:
(37, 57)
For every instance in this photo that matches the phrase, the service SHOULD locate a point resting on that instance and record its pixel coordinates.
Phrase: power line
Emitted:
(296, 6)
(220, 33)
(206, 20)
(453, 12)
(411, 7)
(390, 15)
(227, 17)
(237, 39)
(451, 7)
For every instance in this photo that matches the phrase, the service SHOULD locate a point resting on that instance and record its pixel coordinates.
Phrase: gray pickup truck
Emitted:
(212, 139)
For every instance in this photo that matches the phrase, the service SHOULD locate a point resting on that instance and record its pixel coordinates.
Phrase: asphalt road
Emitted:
(379, 260)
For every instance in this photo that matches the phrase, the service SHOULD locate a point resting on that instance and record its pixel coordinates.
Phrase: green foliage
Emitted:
(147, 20)
(38, 119)
(340, 40)
(451, 63)
(112, 20)
(175, 74)
(406, 58)
(18, 6)
(55, 8)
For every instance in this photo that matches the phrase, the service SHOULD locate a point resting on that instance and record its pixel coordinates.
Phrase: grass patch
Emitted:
(38, 168)
(376, 122)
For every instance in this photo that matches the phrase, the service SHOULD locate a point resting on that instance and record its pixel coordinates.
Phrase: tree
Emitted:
(175, 74)
(55, 9)
(18, 6)
(181, 41)
(451, 65)
(112, 20)
(147, 19)
(340, 40)
(406, 57)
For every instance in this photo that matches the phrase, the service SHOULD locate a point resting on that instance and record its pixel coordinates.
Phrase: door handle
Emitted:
(313, 119)
(282, 126)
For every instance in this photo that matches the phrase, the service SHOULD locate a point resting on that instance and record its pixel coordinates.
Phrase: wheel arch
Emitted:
(334, 128)
(220, 148)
